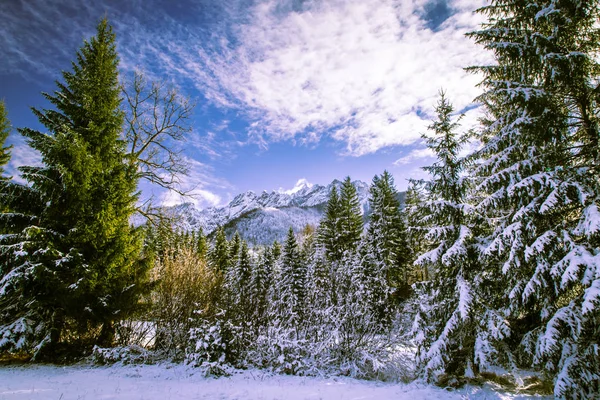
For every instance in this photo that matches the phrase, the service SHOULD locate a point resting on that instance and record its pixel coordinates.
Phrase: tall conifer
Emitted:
(74, 265)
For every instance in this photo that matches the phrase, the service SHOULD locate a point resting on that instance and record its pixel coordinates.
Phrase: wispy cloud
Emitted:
(200, 187)
(367, 73)
(21, 154)
(416, 154)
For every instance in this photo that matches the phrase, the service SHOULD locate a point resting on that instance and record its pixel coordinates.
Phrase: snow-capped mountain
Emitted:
(265, 217)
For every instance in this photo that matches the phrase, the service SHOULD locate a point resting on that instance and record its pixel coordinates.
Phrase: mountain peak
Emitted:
(266, 216)
(301, 185)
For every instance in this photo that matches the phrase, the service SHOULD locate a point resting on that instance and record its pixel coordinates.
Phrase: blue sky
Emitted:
(285, 89)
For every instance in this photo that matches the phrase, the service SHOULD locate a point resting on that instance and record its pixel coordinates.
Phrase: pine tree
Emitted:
(448, 321)
(538, 178)
(5, 129)
(385, 251)
(74, 265)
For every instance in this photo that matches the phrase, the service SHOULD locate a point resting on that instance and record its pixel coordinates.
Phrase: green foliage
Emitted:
(293, 281)
(350, 217)
(87, 268)
(449, 315)
(341, 229)
(387, 236)
(329, 227)
(219, 256)
(537, 178)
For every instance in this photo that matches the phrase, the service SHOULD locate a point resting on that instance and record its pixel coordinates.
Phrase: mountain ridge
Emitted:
(262, 218)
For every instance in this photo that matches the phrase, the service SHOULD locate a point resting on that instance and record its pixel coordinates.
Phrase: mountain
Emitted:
(262, 218)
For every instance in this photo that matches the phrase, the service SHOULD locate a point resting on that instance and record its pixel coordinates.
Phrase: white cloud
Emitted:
(199, 197)
(368, 72)
(21, 155)
(416, 154)
(199, 187)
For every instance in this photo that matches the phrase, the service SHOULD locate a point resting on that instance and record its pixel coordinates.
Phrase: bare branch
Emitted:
(156, 118)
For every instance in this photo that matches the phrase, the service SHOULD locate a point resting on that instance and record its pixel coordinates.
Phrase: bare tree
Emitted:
(157, 117)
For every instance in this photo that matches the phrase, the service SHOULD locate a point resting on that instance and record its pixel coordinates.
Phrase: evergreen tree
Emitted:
(415, 234)
(293, 282)
(387, 236)
(74, 263)
(240, 286)
(538, 179)
(448, 321)
(276, 252)
(201, 245)
(350, 218)
(5, 129)
(262, 277)
(329, 227)
(219, 256)
(234, 249)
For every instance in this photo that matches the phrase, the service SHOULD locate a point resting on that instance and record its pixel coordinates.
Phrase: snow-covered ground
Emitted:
(163, 382)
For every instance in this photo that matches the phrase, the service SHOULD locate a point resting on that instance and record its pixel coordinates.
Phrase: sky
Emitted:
(286, 91)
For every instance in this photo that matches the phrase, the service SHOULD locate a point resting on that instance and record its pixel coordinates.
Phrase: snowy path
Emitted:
(162, 382)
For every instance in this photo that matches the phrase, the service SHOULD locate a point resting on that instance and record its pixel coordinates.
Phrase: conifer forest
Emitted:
(490, 264)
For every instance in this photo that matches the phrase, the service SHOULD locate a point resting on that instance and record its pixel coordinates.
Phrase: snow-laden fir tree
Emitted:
(239, 307)
(387, 247)
(537, 175)
(72, 258)
(415, 235)
(292, 283)
(447, 325)
(260, 286)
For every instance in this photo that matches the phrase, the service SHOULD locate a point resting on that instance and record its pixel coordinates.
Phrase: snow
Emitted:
(169, 381)
(255, 217)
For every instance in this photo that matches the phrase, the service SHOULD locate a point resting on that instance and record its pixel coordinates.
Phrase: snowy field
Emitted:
(163, 382)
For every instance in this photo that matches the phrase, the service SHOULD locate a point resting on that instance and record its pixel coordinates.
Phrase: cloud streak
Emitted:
(367, 74)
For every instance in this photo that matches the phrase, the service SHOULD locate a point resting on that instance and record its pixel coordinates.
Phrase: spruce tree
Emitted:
(219, 256)
(329, 227)
(293, 282)
(350, 218)
(415, 233)
(538, 178)
(74, 265)
(201, 245)
(234, 249)
(387, 236)
(240, 286)
(385, 251)
(448, 321)
(261, 280)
